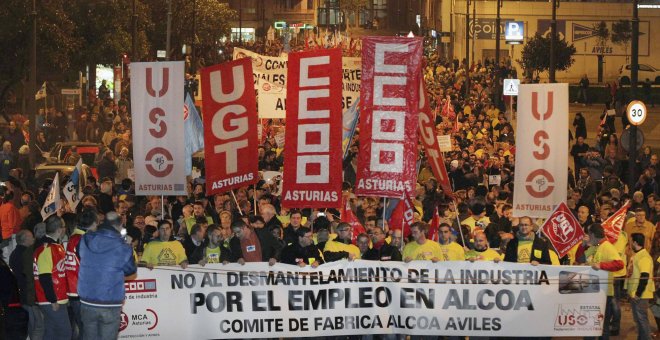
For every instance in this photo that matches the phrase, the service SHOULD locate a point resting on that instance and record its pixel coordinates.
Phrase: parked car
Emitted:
(59, 153)
(645, 72)
(47, 171)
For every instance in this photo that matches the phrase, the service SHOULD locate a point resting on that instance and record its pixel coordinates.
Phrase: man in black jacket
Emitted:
(194, 244)
(303, 251)
(381, 250)
(525, 247)
(253, 245)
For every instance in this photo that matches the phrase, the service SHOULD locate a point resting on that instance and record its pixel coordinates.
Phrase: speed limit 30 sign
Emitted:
(636, 112)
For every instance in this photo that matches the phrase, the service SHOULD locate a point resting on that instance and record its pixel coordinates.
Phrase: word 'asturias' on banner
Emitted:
(230, 112)
(541, 149)
(364, 297)
(156, 106)
(314, 130)
(389, 110)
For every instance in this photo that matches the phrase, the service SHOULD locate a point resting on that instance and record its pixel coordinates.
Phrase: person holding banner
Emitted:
(303, 251)
(421, 248)
(526, 246)
(164, 251)
(381, 250)
(482, 250)
(341, 247)
(253, 245)
(451, 251)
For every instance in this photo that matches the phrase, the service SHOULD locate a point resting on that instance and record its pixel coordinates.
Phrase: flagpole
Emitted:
(236, 201)
(254, 197)
(162, 206)
(384, 207)
(460, 229)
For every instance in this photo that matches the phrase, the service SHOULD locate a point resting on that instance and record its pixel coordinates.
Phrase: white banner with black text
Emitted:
(364, 297)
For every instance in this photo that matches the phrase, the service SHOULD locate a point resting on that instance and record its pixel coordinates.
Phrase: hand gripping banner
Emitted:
(158, 148)
(389, 110)
(230, 120)
(313, 159)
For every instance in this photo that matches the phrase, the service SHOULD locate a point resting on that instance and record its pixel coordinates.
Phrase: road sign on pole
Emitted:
(636, 112)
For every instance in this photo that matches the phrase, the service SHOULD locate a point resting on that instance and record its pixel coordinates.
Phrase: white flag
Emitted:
(53, 202)
(73, 189)
(41, 93)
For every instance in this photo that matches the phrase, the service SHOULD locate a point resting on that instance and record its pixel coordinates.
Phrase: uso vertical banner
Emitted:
(157, 110)
(430, 141)
(388, 125)
(541, 149)
(314, 130)
(230, 152)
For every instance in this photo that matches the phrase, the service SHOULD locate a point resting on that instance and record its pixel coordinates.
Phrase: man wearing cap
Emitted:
(106, 261)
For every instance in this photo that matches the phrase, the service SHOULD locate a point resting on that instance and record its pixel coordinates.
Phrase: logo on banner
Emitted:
(313, 130)
(140, 286)
(227, 132)
(563, 229)
(147, 320)
(578, 317)
(388, 133)
(159, 162)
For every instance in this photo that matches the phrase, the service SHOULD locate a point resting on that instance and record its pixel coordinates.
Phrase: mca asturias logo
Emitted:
(147, 320)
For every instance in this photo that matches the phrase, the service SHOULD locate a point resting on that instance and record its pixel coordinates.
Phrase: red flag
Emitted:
(434, 227)
(314, 130)
(427, 135)
(391, 69)
(563, 229)
(347, 215)
(614, 224)
(229, 120)
(402, 216)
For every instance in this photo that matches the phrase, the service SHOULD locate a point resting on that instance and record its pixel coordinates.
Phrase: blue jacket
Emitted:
(105, 259)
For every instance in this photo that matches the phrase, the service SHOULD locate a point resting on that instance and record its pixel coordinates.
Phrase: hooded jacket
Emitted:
(105, 259)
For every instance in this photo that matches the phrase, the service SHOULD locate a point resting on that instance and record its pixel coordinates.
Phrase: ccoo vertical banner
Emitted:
(314, 130)
(541, 149)
(156, 106)
(388, 124)
(230, 119)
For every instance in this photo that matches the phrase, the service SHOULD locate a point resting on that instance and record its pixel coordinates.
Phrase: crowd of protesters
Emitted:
(250, 225)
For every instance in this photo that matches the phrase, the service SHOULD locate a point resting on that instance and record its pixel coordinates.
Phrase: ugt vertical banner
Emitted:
(389, 110)
(313, 130)
(230, 118)
(157, 110)
(541, 149)
(430, 141)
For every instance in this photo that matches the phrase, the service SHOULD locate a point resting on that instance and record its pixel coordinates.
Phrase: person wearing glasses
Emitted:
(526, 246)
(341, 247)
(303, 252)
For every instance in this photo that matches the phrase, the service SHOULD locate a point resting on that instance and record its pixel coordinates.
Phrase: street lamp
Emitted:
(553, 40)
(32, 85)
